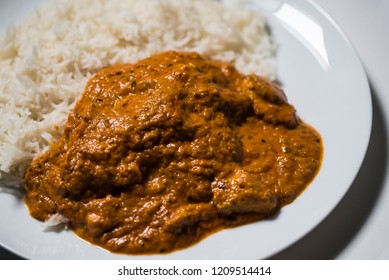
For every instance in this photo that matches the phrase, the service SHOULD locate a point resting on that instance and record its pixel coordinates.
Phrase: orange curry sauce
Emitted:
(159, 154)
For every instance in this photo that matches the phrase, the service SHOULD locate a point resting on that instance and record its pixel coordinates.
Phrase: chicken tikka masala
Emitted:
(159, 154)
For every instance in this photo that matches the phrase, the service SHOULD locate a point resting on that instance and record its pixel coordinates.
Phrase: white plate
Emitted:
(322, 77)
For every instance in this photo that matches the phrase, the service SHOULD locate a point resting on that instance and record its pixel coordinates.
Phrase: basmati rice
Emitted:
(46, 61)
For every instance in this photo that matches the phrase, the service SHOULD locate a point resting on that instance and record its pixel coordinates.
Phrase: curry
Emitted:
(159, 154)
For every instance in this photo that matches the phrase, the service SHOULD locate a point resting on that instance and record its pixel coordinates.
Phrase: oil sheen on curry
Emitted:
(159, 154)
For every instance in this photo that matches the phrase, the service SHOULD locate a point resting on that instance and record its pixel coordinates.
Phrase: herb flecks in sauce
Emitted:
(157, 155)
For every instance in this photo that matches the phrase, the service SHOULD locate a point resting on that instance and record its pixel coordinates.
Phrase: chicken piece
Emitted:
(242, 192)
(189, 215)
(269, 101)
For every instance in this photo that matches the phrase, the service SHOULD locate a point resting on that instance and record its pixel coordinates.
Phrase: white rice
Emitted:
(46, 61)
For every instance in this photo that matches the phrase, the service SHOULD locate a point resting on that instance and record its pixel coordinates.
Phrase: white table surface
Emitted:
(358, 228)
